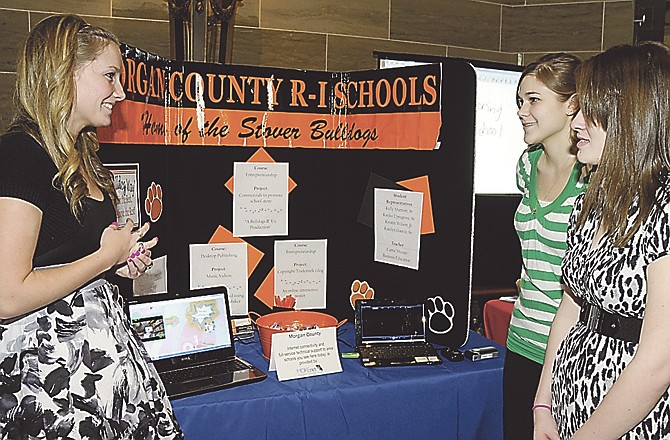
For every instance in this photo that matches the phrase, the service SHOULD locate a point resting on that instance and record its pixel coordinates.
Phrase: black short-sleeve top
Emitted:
(26, 173)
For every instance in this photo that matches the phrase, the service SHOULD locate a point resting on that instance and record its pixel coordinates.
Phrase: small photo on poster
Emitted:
(126, 182)
(151, 328)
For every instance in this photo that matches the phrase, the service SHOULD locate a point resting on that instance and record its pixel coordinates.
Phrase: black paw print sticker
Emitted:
(440, 315)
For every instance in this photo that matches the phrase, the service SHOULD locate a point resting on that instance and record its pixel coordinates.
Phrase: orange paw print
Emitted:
(153, 204)
(360, 290)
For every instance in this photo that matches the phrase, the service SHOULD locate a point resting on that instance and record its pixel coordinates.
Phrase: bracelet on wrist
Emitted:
(541, 405)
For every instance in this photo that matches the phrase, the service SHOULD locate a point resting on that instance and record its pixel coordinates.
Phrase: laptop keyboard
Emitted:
(206, 370)
(397, 351)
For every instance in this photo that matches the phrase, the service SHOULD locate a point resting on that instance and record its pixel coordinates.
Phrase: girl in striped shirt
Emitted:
(549, 178)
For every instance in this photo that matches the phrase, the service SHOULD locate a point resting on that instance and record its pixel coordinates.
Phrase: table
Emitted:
(460, 400)
(497, 315)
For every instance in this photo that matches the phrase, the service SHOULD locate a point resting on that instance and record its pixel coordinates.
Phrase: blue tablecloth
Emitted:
(459, 400)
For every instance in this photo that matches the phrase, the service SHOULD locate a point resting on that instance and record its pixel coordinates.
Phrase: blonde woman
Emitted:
(548, 176)
(70, 365)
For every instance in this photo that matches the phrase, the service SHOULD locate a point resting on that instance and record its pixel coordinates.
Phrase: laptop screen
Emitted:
(182, 326)
(391, 322)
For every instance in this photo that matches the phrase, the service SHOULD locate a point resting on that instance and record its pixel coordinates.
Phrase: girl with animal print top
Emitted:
(607, 369)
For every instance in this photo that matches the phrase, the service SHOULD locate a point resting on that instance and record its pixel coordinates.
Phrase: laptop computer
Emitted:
(391, 332)
(190, 342)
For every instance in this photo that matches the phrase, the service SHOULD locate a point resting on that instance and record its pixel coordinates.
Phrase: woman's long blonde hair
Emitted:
(45, 95)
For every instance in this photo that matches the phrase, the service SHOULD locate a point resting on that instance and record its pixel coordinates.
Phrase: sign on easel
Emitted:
(305, 353)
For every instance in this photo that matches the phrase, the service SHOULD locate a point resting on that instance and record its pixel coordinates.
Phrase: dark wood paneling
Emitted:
(271, 48)
(552, 28)
(13, 30)
(152, 36)
(367, 18)
(448, 22)
(150, 9)
(247, 14)
(618, 28)
(92, 7)
(492, 30)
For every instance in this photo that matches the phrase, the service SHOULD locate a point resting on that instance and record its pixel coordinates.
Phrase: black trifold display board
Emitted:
(327, 201)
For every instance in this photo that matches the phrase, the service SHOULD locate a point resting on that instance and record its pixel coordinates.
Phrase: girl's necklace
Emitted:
(558, 177)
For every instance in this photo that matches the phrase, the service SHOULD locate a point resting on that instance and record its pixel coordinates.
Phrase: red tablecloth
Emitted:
(497, 315)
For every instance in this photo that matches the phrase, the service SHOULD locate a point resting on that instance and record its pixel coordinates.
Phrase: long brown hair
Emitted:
(44, 98)
(626, 92)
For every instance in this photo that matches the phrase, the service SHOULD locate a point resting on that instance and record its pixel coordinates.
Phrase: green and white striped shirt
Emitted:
(542, 230)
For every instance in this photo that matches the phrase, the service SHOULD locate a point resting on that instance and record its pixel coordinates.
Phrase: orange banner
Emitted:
(183, 103)
(140, 123)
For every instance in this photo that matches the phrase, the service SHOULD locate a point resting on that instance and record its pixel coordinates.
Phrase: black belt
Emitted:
(609, 324)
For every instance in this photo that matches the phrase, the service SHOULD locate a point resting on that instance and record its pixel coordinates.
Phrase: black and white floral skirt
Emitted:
(76, 369)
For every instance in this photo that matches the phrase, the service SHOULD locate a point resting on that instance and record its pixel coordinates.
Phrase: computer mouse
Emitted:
(452, 355)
